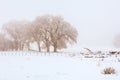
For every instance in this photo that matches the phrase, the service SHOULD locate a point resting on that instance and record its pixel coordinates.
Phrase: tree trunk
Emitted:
(48, 49)
(55, 47)
(48, 46)
(22, 46)
(28, 46)
(39, 48)
(16, 46)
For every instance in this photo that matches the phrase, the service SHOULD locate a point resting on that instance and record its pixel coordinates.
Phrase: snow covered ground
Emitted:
(30, 66)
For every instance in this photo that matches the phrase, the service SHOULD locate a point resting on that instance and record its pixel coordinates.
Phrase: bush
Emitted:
(109, 71)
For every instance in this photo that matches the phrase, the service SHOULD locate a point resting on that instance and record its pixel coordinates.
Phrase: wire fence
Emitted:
(13, 53)
(64, 54)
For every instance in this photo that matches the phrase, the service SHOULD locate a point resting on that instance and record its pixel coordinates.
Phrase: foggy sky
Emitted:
(97, 21)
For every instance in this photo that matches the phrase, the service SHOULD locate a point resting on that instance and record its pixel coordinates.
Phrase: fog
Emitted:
(97, 21)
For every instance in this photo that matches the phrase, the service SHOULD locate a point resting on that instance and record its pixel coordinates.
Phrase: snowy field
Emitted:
(30, 66)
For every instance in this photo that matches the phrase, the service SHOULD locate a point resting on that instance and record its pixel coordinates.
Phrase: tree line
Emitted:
(46, 31)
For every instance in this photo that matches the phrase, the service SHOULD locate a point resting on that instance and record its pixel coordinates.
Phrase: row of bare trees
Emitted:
(45, 30)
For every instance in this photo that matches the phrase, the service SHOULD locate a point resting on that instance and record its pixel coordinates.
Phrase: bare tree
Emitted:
(5, 43)
(43, 24)
(56, 31)
(2, 43)
(62, 31)
(17, 32)
(35, 31)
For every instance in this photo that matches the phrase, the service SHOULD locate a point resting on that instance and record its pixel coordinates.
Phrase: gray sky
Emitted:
(97, 21)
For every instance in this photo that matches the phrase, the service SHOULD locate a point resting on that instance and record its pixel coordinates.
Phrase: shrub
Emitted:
(109, 70)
